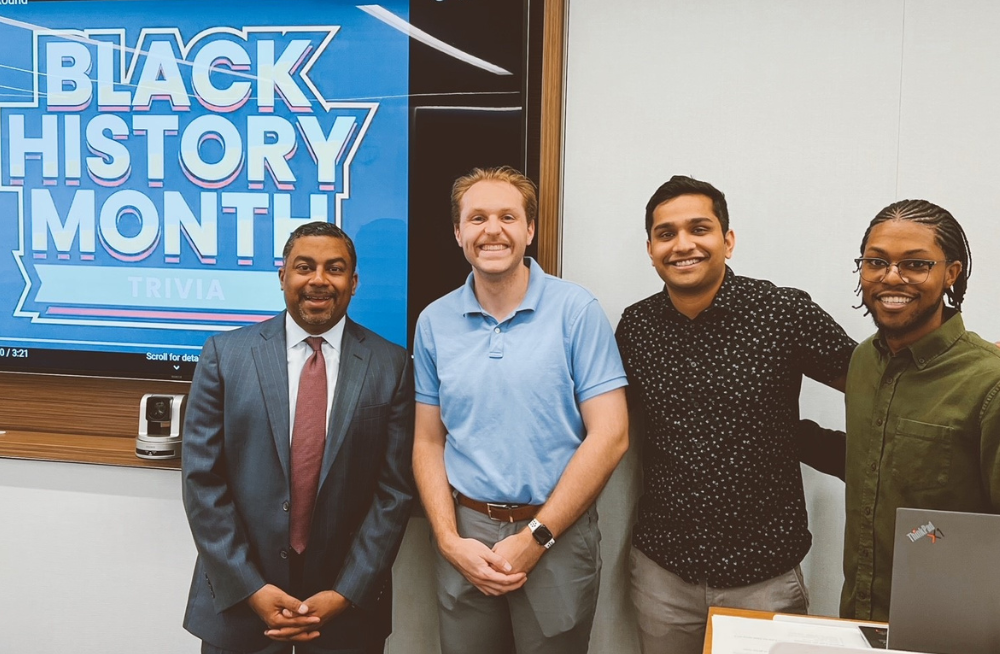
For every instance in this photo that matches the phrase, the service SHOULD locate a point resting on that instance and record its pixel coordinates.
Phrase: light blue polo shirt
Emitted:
(510, 391)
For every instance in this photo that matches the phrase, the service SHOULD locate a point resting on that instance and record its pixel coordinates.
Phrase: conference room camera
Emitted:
(161, 420)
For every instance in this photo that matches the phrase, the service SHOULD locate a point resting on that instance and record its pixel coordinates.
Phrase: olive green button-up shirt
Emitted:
(923, 430)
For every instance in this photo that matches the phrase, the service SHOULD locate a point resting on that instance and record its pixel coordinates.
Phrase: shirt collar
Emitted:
(470, 305)
(294, 334)
(932, 345)
(725, 298)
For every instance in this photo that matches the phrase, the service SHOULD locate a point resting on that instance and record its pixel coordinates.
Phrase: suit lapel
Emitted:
(270, 357)
(354, 359)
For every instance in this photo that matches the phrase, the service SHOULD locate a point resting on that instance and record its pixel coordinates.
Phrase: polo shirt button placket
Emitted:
(496, 342)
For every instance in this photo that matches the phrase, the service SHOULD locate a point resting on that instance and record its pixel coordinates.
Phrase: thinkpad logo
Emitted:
(928, 530)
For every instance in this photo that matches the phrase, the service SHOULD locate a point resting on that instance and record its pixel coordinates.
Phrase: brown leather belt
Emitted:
(499, 512)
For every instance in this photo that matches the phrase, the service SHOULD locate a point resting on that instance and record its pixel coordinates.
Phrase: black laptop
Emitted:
(945, 583)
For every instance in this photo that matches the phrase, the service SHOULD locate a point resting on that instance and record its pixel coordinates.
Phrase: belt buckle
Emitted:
(500, 507)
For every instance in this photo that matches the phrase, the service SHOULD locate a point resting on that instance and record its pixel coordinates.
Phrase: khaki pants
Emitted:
(672, 613)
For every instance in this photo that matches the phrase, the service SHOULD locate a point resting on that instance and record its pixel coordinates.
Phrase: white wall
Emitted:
(93, 560)
(810, 116)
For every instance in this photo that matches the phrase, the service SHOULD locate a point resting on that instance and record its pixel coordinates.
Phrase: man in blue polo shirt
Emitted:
(520, 420)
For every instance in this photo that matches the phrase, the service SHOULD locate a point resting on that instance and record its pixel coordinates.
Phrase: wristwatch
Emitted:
(541, 534)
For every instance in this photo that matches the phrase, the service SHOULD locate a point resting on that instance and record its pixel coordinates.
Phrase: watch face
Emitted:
(542, 535)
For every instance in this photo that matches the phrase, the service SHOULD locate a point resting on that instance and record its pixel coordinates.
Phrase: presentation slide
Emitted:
(154, 157)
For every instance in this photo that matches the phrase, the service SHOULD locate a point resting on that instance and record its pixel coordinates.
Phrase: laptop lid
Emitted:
(945, 582)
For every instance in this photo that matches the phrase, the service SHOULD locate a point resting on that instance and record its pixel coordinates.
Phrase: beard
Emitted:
(320, 318)
(315, 318)
(913, 323)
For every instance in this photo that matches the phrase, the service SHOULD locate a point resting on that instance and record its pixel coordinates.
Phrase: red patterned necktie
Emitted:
(308, 441)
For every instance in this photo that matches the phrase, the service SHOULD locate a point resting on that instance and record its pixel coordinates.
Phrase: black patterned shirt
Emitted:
(722, 497)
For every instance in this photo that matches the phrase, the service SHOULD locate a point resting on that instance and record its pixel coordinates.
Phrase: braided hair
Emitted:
(948, 234)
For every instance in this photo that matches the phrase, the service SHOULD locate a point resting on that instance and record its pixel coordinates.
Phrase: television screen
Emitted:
(154, 157)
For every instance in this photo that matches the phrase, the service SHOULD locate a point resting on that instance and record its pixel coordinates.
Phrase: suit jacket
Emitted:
(236, 485)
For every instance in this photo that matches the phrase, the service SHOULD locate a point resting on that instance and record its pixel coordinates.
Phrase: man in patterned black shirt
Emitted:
(715, 362)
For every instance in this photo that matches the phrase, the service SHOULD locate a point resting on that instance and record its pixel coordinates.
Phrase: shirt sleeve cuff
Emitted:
(600, 389)
(424, 398)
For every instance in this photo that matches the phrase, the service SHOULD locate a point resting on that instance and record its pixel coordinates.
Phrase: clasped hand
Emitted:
(495, 571)
(293, 620)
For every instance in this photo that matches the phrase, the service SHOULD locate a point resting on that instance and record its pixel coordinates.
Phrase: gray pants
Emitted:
(672, 613)
(286, 648)
(552, 613)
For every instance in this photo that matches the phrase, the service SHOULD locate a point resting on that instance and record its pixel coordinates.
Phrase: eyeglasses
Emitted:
(911, 271)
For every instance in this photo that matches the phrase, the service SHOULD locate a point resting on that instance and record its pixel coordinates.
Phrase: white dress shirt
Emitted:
(299, 352)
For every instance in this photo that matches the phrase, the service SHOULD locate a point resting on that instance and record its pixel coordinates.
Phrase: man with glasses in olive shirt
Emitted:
(923, 396)
(715, 363)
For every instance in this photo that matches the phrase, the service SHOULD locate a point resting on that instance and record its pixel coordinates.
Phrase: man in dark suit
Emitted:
(273, 571)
